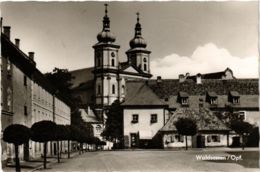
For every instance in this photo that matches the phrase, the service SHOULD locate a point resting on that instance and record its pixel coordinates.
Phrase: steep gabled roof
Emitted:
(205, 120)
(139, 94)
(89, 116)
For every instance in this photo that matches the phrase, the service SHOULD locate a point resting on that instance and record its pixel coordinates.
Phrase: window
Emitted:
(236, 100)
(113, 54)
(25, 111)
(184, 100)
(113, 89)
(145, 67)
(135, 118)
(145, 60)
(215, 138)
(113, 62)
(179, 138)
(213, 100)
(99, 89)
(123, 89)
(153, 118)
(24, 80)
(242, 116)
(98, 61)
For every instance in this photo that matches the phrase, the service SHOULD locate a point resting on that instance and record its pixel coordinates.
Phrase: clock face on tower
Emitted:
(113, 54)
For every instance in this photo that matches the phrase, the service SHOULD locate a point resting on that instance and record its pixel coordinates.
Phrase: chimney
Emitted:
(198, 78)
(17, 42)
(159, 79)
(181, 78)
(31, 55)
(7, 30)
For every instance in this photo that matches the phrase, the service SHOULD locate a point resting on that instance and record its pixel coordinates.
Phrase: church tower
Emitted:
(138, 55)
(106, 65)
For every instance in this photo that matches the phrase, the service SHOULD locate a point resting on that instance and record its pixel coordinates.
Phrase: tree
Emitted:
(114, 124)
(43, 131)
(242, 128)
(61, 79)
(186, 127)
(16, 134)
(61, 134)
(69, 137)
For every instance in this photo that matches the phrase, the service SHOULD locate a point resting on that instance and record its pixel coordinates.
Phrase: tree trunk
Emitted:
(17, 162)
(68, 149)
(243, 142)
(58, 151)
(44, 154)
(186, 142)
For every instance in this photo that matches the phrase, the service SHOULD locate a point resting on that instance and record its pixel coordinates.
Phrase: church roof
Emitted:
(205, 120)
(139, 94)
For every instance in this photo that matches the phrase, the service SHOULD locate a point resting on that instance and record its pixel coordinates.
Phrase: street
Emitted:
(157, 160)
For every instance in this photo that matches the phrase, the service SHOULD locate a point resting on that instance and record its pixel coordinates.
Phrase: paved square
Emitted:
(160, 161)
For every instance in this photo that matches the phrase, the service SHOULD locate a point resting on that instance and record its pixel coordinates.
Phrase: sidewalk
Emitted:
(37, 164)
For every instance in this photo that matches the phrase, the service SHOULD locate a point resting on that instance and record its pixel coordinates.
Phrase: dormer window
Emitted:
(234, 97)
(183, 98)
(212, 98)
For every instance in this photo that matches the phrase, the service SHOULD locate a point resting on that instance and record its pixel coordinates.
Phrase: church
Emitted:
(151, 106)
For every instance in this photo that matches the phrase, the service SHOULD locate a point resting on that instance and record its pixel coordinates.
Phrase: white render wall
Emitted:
(46, 107)
(144, 122)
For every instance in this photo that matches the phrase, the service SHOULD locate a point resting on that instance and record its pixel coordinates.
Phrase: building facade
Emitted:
(28, 97)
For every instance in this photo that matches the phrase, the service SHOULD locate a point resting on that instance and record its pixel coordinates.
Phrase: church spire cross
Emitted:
(138, 28)
(137, 16)
(106, 9)
(106, 20)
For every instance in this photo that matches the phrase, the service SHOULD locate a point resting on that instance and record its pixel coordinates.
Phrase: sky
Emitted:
(194, 37)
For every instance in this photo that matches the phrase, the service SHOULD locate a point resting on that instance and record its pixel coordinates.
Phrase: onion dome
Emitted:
(138, 41)
(105, 35)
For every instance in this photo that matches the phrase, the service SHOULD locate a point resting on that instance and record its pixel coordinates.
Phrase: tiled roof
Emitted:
(221, 87)
(138, 93)
(205, 120)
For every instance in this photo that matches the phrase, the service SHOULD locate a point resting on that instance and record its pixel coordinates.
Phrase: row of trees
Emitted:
(44, 132)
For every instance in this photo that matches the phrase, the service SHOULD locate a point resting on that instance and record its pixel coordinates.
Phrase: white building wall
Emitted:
(144, 124)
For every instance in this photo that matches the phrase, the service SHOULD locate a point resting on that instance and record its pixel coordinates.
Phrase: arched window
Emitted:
(145, 67)
(99, 89)
(113, 89)
(98, 61)
(123, 89)
(113, 62)
(145, 60)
